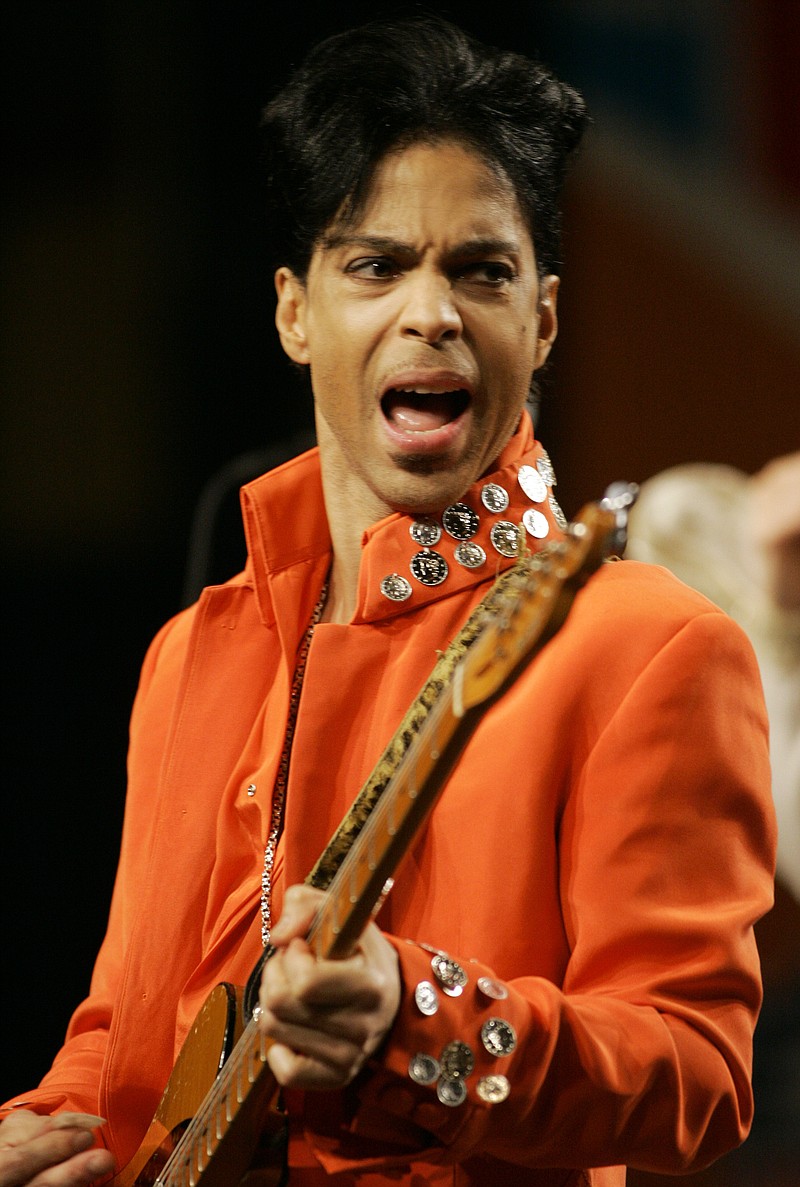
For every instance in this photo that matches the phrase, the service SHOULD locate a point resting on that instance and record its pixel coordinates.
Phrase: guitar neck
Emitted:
(365, 875)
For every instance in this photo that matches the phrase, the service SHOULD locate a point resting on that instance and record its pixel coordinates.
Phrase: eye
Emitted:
(492, 273)
(373, 268)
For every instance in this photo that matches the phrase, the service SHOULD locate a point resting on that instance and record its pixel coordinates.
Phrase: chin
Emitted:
(427, 495)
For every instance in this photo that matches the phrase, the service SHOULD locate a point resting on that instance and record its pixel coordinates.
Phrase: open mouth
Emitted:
(415, 410)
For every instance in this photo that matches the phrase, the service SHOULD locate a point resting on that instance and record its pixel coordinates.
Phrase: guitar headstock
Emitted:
(537, 596)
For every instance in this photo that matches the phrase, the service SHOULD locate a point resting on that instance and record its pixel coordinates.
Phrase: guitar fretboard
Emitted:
(207, 1129)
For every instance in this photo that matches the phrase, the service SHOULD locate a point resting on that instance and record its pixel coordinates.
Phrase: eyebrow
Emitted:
(385, 245)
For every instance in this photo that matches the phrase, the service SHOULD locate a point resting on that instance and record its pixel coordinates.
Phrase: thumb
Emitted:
(300, 906)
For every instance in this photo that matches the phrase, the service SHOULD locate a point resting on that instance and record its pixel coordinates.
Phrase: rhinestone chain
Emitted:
(282, 777)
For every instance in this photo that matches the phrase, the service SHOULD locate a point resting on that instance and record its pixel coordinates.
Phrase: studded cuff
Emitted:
(449, 1064)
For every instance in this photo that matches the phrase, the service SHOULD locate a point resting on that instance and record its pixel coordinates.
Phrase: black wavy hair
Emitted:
(389, 84)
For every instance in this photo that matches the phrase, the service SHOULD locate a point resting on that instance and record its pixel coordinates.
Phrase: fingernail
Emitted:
(77, 1121)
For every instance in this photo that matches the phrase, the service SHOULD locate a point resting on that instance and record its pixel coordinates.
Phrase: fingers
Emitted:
(325, 1017)
(300, 905)
(335, 999)
(293, 1070)
(50, 1151)
(22, 1124)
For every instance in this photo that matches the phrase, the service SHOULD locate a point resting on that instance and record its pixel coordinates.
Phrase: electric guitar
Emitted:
(220, 1115)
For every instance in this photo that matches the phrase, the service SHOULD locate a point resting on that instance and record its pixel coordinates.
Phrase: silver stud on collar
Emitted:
(425, 532)
(505, 537)
(451, 1092)
(545, 468)
(460, 521)
(532, 483)
(396, 588)
(494, 497)
(429, 567)
(492, 989)
(536, 524)
(469, 554)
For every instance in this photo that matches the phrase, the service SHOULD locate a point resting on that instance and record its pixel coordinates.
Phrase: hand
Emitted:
(326, 1017)
(775, 528)
(50, 1151)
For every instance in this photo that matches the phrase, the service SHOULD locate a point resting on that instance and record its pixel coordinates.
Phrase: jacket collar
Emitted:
(289, 544)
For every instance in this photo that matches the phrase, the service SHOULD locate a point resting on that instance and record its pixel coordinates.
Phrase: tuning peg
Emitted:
(619, 498)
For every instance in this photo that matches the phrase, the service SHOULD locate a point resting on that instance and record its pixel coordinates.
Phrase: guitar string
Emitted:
(199, 1126)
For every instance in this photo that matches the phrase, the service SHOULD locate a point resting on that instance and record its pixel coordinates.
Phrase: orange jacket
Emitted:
(602, 849)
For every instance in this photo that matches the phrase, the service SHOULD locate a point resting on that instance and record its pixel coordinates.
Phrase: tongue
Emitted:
(421, 414)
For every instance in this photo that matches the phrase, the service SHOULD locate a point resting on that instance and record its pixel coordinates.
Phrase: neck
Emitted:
(350, 510)
(340, 603)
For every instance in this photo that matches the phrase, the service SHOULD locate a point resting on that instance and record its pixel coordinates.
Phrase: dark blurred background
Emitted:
(138, 359)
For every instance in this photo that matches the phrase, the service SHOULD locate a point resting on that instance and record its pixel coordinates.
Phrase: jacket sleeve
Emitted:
(73, 1082)
(642, 1055)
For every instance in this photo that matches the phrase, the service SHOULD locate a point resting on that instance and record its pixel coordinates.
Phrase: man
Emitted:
(736, 538)
(563, 978)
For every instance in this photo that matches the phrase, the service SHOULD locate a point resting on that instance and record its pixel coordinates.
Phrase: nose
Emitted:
(429, 310)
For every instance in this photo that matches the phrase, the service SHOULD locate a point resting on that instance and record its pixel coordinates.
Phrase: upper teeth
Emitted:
(427, 391)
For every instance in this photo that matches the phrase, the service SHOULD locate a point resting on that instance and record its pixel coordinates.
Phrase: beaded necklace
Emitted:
(282, 777)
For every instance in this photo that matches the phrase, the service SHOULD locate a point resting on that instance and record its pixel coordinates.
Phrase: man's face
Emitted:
(422, 325)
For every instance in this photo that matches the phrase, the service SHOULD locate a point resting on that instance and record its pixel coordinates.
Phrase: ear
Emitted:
(290, 315)
(548, 318)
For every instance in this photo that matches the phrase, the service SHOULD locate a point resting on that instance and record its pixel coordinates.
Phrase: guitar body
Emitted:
(215, 1032)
